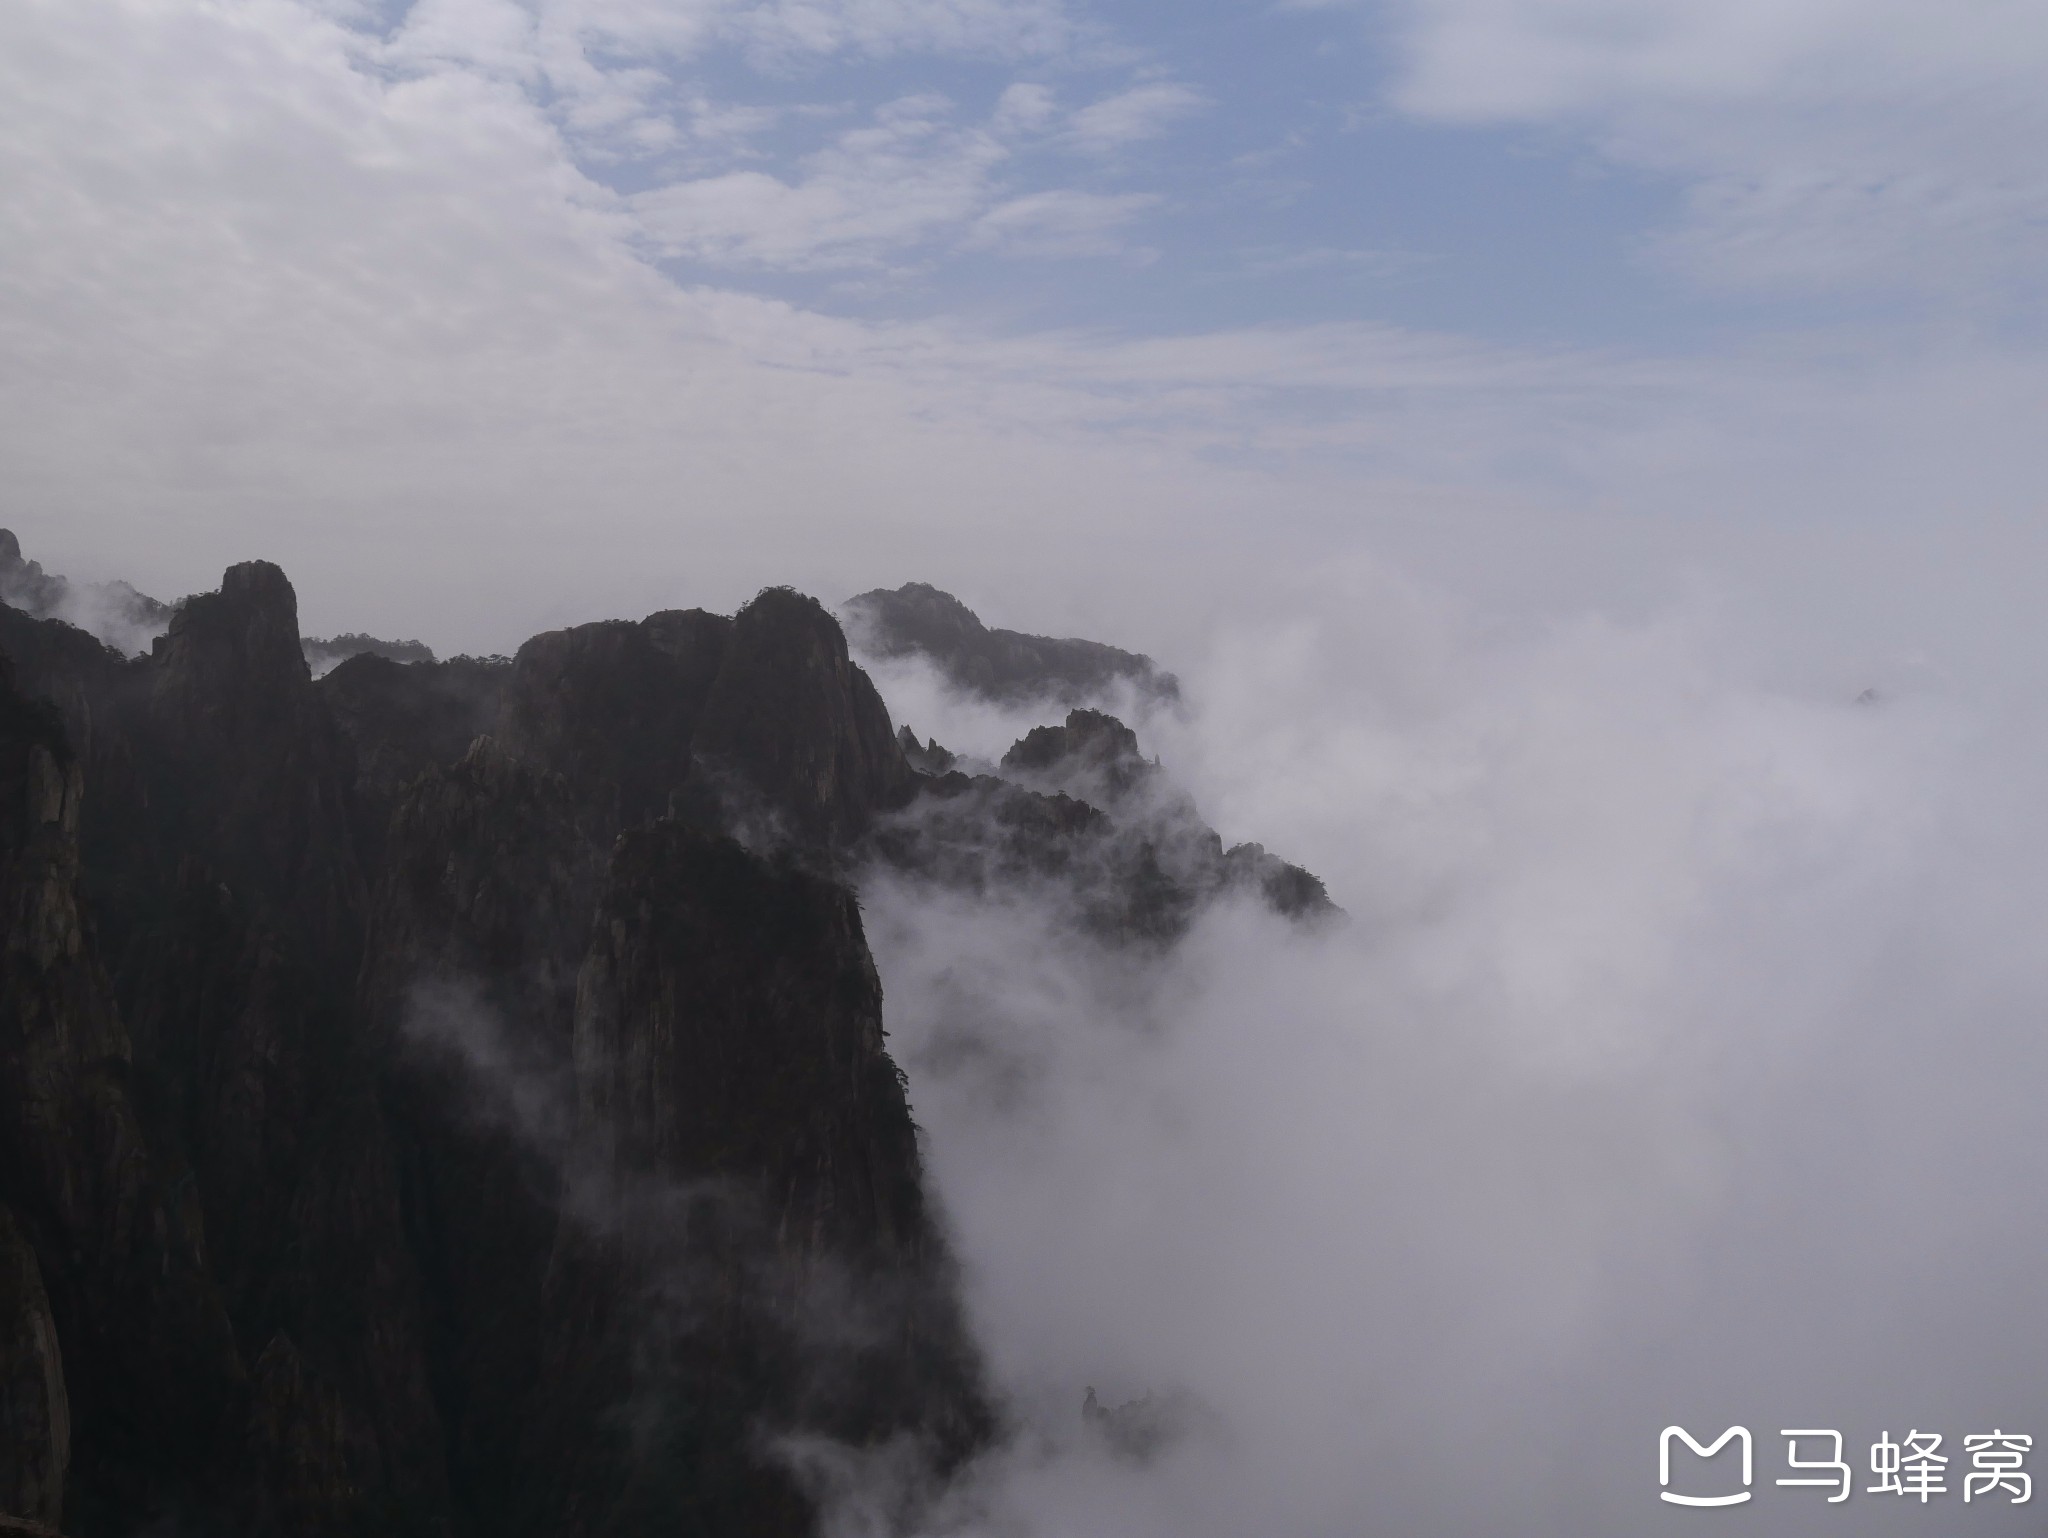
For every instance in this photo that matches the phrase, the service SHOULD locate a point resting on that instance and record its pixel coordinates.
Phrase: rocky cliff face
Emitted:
(752, 1186)
(150, 1377)
(35, 1409)
(220, 894)
(360, 1103)
(479, 924)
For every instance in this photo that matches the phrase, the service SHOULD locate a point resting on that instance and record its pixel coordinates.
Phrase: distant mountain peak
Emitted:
(1007, 666)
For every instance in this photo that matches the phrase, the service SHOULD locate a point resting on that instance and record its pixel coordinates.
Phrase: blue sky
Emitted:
(1149, 169)
(1269, 186)
(638, 301)
(1162, 169)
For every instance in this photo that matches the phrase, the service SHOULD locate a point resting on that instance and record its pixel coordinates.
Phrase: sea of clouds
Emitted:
(1680, 1061)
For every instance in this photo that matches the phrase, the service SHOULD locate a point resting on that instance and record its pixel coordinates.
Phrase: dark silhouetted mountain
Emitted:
(755, 1151)
(1002, 665)
(331, 1198)
(1091, 755)
(152, 1382)
(450, 1098)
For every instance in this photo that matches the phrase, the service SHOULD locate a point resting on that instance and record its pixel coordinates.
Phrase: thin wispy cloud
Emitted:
(889, 185)
(1884, 145)
(1003, 29)
(247, 245)
(1129, 117)
(912, 177)
(1365, 263)
(1062, 223)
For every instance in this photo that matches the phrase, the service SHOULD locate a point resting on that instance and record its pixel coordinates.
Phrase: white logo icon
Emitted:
(1719, 1442)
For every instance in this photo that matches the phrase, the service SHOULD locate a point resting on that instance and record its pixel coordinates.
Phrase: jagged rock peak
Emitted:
(925, 757)
(1092, 752)
(230, 683)
(249, 753)
(918, 619)
(245, 634)
(1288, 889)
(259, 583)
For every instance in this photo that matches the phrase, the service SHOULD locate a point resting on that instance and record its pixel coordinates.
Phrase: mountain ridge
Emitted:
(406, 1070)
